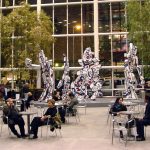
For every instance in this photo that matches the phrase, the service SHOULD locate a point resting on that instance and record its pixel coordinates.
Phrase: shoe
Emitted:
(32, 136)
(140, 139)
(24, 136)
(18, 135)
(35, 137)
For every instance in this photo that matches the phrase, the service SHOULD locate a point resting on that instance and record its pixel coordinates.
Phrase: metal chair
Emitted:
(74, 114)
(82, 104)
(48, 126)
(122, 124)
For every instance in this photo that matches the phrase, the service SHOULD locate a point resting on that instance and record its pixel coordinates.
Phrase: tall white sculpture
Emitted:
(88, 76)
(47, 75)
(65, 81)
(131, 64)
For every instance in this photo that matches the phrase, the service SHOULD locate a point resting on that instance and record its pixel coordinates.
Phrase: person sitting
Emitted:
(116, 108)
(50, 115)
(11, 111)
(29, 99)
(145, 121)
(61, 110)
(72, 101)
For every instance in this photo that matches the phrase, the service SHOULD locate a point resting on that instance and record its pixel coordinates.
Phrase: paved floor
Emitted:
(91, 133)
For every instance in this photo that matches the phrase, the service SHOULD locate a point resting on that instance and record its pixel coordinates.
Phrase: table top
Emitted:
(128, 112)
(27, 113)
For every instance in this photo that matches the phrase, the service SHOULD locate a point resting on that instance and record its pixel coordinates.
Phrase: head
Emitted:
(29, 94)
(50, 103)
(119, 100)
(10, 102)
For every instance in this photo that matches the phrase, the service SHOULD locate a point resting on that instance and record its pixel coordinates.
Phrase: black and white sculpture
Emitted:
(65, 81)
(88, 76)
(131, 65)
(47, 75)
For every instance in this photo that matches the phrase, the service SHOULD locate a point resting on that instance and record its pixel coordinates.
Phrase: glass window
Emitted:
(88, 18)
(5, 12)
(88, 41)
(74, 0)
(32, 1)
(60, 48)
(104, 17)
(18, 2)
(48, 11)
(74, 50)
(46, 1)
(119, 48)
(118, 16)
(105, 50)
(59, 1)
(7, 3)
(74, 19)
(60, 21)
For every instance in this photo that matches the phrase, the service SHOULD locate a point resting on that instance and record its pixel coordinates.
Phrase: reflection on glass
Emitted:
(46, 1)
(32, 1)
(118, 17)
(105, 50)
(88, 18)
(119, 48)
(60, 48)
(74, 19)
(74, 50)
(7, 3)
(60, 21)
(59, 1)
(104, 17)
(47, 10)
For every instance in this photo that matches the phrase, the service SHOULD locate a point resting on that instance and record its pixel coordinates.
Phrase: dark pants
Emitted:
(62, 113)
(140, 126)
(37, 122)
(20, 122)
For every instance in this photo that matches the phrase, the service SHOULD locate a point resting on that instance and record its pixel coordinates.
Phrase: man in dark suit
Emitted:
(11, 111)
(140, 123)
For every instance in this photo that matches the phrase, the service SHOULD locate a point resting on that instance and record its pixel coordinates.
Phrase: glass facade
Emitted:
(78, 24)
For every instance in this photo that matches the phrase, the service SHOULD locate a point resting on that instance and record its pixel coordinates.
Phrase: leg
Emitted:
(21, 126)
(14, 131)
(36, 122)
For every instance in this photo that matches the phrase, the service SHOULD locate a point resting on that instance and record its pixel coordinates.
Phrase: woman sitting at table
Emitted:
(50, 114)
(118, 106)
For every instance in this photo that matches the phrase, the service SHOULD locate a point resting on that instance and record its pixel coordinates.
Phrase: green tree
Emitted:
(138, 15)
(31, 32)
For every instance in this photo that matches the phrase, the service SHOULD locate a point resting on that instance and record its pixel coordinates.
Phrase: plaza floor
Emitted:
(91, 133)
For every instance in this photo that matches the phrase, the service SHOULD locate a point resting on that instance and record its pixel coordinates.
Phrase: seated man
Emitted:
(71, 103)
(50, 114)
(140, 123)
(11, 111)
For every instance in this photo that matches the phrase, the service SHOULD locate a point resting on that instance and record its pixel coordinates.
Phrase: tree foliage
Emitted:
(138, 15)
(32, 32)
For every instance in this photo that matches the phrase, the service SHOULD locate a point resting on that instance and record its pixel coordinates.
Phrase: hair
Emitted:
(51, 100)
(117, 99)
